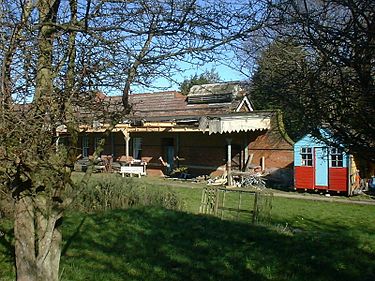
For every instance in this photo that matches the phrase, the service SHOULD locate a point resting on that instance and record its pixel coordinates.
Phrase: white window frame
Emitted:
(337, 158)
(307, 161)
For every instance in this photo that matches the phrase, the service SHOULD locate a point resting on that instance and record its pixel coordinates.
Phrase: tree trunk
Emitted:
(37, 240)
(48, 241)
(24, 233)
(48, 266)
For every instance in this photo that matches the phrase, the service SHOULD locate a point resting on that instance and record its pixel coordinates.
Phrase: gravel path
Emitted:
(324, 198)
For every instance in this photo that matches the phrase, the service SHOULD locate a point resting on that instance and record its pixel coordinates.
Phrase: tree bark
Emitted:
(48, 240)
(49, 249)
(24, 233)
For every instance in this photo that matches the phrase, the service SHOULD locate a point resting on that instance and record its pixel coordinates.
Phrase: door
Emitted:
(168, 153)
(170, 158)
(321, 167)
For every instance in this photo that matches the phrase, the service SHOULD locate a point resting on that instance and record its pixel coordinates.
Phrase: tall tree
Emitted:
(279, 83)
(339, 38)
(56, 56)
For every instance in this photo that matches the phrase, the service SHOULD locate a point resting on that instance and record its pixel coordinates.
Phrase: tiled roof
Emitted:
(171, 103)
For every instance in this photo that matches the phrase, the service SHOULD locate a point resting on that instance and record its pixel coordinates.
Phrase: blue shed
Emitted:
(321, 167)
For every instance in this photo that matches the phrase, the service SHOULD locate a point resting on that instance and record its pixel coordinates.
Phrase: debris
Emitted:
(254, 180)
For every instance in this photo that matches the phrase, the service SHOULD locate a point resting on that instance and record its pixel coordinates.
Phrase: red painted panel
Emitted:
(338, 179)
(304, 177)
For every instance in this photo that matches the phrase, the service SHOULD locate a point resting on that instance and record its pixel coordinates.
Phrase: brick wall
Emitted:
(204, 153)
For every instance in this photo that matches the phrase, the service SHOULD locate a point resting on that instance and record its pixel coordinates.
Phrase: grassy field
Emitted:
(305, 240)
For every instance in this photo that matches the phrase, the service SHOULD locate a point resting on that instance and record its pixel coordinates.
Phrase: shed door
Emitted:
(321, 167)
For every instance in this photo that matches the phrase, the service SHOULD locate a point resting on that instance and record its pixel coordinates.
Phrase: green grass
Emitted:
(306, 240)
(159, 244)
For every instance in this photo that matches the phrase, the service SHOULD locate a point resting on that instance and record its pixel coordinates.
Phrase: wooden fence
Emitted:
(237, 204)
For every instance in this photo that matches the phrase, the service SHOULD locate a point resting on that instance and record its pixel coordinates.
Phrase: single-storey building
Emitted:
(211, 130)
(321, 167)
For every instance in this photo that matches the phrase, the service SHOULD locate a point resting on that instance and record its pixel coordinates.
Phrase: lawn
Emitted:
(305, 240)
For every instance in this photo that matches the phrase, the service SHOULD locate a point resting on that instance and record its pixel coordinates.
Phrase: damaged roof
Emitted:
(172, 104)
(215, 93)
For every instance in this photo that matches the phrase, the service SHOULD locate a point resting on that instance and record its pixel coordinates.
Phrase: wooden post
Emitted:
(113, 144)
(245, 154)
(350, 175)
(127, 139)
(57, 141)
(229, 161)
(248, 162)
(263, 164)
(255, 208)
(223, 205)
(216, 201)
(178, 150)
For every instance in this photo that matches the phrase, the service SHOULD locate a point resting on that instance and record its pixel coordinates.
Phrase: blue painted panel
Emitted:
(309, 141)
(321, 166)
(306, 141)
(297, 156)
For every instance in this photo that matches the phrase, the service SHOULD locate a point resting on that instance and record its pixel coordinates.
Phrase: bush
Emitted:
(109, 192)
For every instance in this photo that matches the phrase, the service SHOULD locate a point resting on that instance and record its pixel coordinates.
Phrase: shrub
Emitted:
(109, 192)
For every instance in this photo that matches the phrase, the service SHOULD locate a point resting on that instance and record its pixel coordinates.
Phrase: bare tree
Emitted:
(56, 56)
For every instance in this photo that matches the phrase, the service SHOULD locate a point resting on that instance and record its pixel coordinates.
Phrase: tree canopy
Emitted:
(333, 87)
(278, 83)
(207, 77)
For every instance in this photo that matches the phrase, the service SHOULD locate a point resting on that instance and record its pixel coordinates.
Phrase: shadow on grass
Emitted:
(158, 244)
(7, 255)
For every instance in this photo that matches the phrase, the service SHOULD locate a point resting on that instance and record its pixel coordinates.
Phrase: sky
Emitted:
(226, 73)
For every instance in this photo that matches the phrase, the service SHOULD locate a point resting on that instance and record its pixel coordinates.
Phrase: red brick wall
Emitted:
(277, 152)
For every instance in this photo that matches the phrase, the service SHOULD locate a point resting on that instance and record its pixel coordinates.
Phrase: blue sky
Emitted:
(226, 73)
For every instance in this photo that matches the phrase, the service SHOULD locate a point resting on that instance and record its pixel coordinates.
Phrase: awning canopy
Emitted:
(229, 124)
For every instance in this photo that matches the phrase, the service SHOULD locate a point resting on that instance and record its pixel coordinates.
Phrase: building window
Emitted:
(306, 156)
(85, 146)
(336, 157)
(137, 148)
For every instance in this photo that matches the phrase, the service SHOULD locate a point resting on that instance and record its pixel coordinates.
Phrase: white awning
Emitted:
(236, 124)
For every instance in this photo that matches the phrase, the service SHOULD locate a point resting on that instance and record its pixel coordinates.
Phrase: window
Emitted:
(336, 157)
(85, 146)
(306, 156)
(137, 148)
